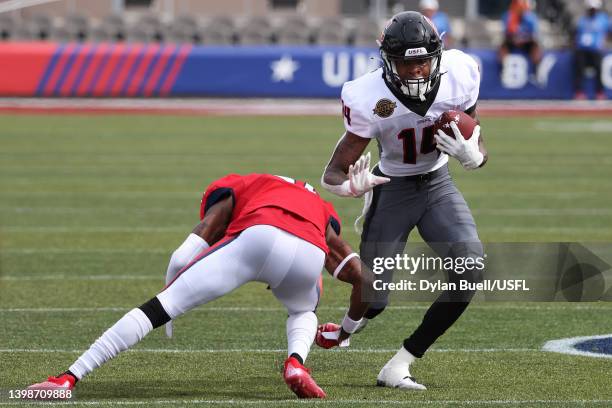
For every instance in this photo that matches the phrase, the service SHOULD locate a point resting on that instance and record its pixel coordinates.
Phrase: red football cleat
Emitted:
(298, 378)
(63, 382)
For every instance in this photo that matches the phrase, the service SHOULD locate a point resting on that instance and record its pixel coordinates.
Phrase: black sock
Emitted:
(438, 318)
(297, 357)
(372, 313)
(73, 376)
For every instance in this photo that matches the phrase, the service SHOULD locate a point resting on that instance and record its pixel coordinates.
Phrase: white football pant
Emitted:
(290, 265)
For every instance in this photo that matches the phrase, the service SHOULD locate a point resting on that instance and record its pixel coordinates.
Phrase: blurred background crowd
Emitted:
(467, 23)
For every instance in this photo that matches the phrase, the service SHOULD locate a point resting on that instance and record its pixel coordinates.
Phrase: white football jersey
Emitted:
(406, 138)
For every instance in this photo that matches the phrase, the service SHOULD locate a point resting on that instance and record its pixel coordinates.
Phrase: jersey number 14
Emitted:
(408, 137)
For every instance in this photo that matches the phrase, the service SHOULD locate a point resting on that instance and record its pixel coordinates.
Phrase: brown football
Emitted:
(465, 123)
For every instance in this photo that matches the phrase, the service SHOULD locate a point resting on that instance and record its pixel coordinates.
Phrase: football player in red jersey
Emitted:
(256, 227)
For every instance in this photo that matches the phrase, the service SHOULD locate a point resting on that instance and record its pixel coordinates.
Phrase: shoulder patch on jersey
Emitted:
(590, 346)
(384, 108)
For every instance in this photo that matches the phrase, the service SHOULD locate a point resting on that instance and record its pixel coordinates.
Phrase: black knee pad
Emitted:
(154, 310)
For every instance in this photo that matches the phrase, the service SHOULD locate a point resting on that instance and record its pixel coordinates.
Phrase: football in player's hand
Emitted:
(326, 333)
(465, 123)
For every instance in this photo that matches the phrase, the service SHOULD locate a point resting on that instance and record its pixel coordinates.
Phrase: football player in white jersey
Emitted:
(397, 105)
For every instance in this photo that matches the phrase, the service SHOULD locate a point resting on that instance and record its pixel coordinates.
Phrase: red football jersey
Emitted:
(263, 199)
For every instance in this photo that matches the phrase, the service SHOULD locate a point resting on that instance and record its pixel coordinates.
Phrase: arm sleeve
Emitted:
(334, 219)
(219, 190)
(355, 119)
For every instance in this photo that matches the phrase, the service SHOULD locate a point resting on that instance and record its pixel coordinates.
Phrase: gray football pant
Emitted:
(432, 203)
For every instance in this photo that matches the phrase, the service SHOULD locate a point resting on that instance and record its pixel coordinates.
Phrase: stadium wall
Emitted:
(158, 70)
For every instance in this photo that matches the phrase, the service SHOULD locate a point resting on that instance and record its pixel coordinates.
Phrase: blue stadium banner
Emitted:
(320, 72)
(118, 69)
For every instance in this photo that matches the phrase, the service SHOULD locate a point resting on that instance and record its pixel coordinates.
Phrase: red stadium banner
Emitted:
(89, 69)
(22, 65)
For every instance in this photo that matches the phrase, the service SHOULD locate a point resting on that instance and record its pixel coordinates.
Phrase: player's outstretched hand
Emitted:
(328, 334)
(361, 180)
(466, 151)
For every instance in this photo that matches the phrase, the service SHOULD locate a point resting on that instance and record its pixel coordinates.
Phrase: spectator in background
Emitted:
(591, 33)
(430, 9)
(521, 31)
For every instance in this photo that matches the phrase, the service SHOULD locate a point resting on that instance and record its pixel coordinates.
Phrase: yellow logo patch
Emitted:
(384, 108)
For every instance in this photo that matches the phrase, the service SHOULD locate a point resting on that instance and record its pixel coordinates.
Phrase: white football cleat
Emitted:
(396, 373)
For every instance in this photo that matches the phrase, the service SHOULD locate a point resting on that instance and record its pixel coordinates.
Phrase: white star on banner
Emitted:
(284, 68)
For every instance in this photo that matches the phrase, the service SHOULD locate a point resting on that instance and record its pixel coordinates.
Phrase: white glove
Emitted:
(361, 180)
(466, 151)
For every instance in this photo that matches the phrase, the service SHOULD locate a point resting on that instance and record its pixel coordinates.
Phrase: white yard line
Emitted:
(543, 211)
(272, 351)
(186, 194)
(597, 126)
(186, 228)
(96, 229)
(162, 210)
(267, 106)
(31, 251)
(489, 306)
(125, 309)
(79, 278)
(532, 229)
(192, 194)
(96, 210)
(351, 402)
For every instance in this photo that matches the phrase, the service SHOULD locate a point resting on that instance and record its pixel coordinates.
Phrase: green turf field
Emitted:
(91, 209)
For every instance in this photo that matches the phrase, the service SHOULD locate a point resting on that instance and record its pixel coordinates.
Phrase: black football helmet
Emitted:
(411, 36)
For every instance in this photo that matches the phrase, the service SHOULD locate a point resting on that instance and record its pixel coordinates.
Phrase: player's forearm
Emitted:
(361, 292)
(335, 178)
(334, 175)
(352, 272)
(341, 260)
(358, 306)
(215, 222)
(211, 230)
(336, 181)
